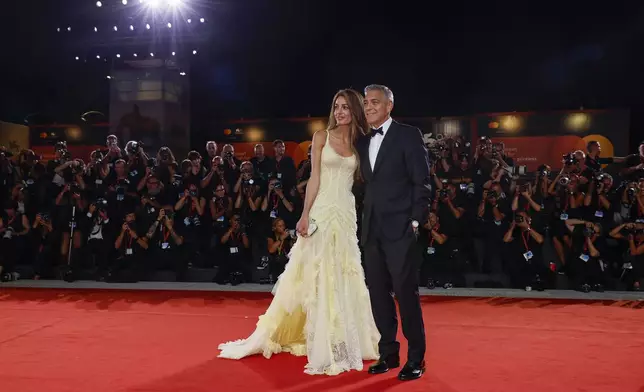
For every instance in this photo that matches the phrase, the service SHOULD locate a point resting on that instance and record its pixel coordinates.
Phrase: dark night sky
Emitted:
(278, 58)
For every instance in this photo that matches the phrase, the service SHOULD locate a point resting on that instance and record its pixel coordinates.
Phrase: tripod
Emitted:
(72, 226)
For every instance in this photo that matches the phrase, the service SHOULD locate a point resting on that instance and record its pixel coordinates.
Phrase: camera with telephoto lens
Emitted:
(101, 205)
(132, 148)
(519, 219)
(228, 154)
(543, 171)
(570, 159)
(74, 188)
(98, 157)
(589, 231)
(564, 180)
(277, 185)
(66, 155)
(631, 192)
(44, 216)
(443, 194)
(192, 193)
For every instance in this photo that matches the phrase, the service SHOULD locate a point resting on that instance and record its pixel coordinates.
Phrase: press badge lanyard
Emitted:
(128, 250)
(431, 250)
(525, 236)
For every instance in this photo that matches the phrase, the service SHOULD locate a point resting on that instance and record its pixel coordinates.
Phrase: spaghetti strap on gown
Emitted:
(321, 305)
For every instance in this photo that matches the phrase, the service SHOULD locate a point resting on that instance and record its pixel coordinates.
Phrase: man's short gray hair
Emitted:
(385, 90)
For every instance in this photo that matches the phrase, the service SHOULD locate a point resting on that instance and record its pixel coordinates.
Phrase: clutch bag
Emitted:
(312, 227)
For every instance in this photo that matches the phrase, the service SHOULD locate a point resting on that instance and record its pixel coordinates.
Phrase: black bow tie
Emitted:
(377, 131)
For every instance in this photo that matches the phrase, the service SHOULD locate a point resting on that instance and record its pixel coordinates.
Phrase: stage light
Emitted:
(98, 57)
(131, 28)
(189, 20)
(151, 54)
(194, 51)
(109, 77)
(136, 55)
(118, 56)
(578, 122)
(152, 3)
(77, 58)
(124, 2)
(182, 73)
(174, 3)
(147, 26)
(173, 53)
(58, 29)
(69, 29)
(169, 25)
(511, 123)
(202, 20)
(116, 28)
(96, 29)
(99, 4)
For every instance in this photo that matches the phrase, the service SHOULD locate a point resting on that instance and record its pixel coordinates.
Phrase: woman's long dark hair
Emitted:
(359, 125)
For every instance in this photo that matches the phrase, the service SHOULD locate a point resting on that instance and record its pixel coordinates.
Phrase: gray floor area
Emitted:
(457, 292)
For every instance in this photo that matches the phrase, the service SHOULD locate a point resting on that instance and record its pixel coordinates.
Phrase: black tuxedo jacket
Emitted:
(397, 190)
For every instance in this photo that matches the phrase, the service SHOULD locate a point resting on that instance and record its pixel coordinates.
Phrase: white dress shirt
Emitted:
(376, 141)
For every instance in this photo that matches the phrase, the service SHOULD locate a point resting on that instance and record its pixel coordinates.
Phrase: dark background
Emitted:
(282, 58)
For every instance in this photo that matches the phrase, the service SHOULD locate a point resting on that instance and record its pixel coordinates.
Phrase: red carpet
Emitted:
(166, 341)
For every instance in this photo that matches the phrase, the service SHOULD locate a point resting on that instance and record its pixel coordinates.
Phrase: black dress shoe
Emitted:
(384, 364)
(412, 371)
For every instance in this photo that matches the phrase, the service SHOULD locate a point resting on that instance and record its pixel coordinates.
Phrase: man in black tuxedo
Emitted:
(395, 168)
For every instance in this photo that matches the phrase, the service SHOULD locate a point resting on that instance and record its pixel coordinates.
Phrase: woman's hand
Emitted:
(302, 226)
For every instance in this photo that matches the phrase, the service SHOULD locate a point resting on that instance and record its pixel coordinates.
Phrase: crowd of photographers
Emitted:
(127, 215)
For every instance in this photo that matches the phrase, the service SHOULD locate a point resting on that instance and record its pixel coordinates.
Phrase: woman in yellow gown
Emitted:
(321, 305)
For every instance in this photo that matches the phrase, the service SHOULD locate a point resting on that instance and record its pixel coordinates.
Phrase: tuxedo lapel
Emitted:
(387, 143)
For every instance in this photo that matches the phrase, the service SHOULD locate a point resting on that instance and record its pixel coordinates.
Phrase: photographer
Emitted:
(586, 267)
(568, 204)
(630, 208)
(634, 163)
(524, 254)
(166, 251)
(491, 214)
(98, 247)
(113, 152)
(231, 164)
(450, 209)
(151, 200)
(221, 206)
(137, 160)
(8, 173)
(190, 210)
(633, 260)
(263, 166)
(597, 200)
(196, 173)
(462, 175)
(284, 165)
(211, 153)
(14, 226)
(248, 202)
(304, 169)
(215, 176)
(442, 265)
(277, 204)
(235, 266)
(246, 176)
(97, 171)
(43, 245)
(121, 194)
(594, 162)
(130, 249)
(279, 247)
(70, 202)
